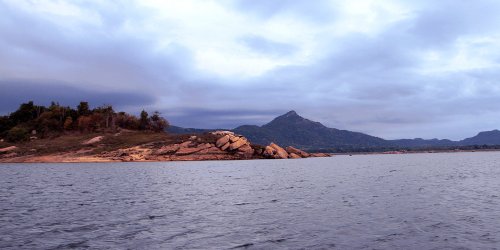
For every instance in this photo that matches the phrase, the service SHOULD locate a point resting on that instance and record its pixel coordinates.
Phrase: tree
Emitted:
(158, 123)
(96, 121)
(5, 124)
(107, 113)
(49, 122)
(16, 134)
(68, 123)
(143, 120)
(83, 123)
(58, 111)
(124, 120)
(55, 119)
(26, 112)
(83, 108)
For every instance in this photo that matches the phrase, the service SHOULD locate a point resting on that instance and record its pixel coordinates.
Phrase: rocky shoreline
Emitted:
(218, 145)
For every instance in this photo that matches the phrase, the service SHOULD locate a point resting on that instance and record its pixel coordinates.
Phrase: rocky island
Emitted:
(129, 145)
(57, 133)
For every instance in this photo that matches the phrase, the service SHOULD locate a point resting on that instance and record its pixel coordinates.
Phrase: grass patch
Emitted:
(73, 142)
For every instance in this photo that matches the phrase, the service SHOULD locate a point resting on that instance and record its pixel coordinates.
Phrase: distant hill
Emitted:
(422, 143)
(292, 129)
(180, 130)
(483, 138)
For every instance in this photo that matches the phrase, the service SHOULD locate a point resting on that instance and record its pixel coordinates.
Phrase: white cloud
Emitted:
(465, 54)
(369, 16)
(351, 64)
(65, 14)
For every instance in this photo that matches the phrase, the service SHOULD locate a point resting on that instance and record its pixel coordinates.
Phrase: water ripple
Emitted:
(416, 201)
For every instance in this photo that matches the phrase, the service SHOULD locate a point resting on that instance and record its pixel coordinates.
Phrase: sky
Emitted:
(393, 69)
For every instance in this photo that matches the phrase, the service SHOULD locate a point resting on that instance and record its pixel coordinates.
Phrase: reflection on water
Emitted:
(416, 201)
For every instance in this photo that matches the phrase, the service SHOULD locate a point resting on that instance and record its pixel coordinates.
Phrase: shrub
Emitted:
(17, 134)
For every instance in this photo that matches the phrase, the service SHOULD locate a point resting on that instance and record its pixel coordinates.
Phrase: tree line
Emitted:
(30, 119)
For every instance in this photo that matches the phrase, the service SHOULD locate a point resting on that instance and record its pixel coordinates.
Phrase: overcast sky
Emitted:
(393, 69)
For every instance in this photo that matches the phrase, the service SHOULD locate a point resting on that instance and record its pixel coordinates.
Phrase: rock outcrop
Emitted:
(93, 140)
(320, 155)
(238, 145)
(218, 145)
(274, 151)
(222, 141)
(7, 149)
(280, 152)
(300, 153)
(269, 152)
(233, 143)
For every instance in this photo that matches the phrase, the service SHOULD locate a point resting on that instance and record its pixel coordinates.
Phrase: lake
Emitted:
(410, 201)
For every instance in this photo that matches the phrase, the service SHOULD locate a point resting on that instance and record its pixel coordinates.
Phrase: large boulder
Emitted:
(230, 141)
(237, 144)
(222, 141)
(320, 155)
(234, 138)
(226, 146)
(185, 144)
(269, 152)
(293, 156)
(246, 151)
(280, 152)
(292, 150)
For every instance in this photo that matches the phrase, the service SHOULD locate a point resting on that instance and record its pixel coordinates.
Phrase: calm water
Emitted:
(418, 201)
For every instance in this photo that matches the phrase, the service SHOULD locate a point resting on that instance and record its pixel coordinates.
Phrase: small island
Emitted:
(59, 133)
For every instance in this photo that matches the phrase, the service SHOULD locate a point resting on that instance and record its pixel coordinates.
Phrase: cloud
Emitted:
(227, 118)
(16, 92)
(390, 68)
(319, 11)
(440, 24)
(267, 47)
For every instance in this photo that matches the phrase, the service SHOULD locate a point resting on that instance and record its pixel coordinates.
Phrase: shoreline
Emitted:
(63, 158)
(417, 152)
(134, 146)
(130, 146)
(118, 161)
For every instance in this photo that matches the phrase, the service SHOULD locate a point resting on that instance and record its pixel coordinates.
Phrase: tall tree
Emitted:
(83, 108)
(158, 123)
(144, 120)
(26, 112)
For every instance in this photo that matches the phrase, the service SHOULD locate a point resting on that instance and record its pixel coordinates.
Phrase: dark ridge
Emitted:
(297, 131)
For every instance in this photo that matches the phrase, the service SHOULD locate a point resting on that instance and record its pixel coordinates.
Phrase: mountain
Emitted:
(294, 130)
(422, 143)
(483, 138)
(180, 130)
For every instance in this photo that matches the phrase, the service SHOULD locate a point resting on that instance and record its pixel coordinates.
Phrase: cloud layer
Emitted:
(388, 68)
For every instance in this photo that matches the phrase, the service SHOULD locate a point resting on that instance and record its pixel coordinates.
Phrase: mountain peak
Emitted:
(290, 113)
(292, 119)
(295, 130)
(289, 117)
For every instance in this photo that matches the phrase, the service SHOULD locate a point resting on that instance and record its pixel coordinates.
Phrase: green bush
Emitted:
(16, 134)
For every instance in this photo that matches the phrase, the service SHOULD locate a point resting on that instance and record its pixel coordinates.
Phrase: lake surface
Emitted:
(414, 201)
